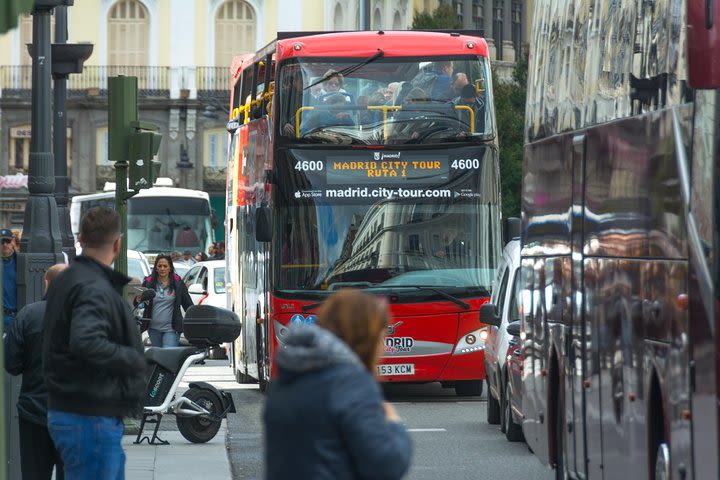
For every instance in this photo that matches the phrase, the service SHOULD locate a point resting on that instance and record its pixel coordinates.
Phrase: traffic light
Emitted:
(143, 169)
(131, 141)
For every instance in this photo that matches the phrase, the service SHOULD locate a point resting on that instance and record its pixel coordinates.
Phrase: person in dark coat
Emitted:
(93, 361)
(9, 276)
(166, 318)
(23, 356)
(325, 417)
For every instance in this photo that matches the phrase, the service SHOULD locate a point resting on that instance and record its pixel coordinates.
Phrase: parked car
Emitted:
(181, 268)
(138, 267)
(206, 285)
(511, 414)
(504, 299)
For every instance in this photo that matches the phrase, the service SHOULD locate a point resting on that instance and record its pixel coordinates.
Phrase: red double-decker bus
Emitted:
(365, 160)
(621, 211)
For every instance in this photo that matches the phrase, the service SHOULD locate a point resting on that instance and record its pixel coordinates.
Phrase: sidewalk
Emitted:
(182, 459)
(178, 461)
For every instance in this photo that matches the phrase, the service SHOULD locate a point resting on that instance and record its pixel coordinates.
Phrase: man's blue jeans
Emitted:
(8, 319)
(91, 447)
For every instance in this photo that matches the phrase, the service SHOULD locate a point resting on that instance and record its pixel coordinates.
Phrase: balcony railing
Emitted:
(213, 78)
(152, 81)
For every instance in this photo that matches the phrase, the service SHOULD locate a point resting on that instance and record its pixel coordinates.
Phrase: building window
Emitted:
(377, 20)
(20, 149)
(104, 168)
(101, 147)
(397, 22)
(216, 145)
(516, 25)
(338, 18)
(21, 154)
(234, 31)
(478, 16)
(458, 7)
(128, 33)
(498, 28)
(414, 243)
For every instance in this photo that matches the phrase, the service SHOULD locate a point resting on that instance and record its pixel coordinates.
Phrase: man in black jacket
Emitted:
(92, 357)
(23, 355)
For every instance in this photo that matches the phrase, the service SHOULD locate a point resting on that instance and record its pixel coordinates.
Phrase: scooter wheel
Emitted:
(201, 429)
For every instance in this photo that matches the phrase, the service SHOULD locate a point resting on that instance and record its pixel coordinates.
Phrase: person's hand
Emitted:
(391, 414)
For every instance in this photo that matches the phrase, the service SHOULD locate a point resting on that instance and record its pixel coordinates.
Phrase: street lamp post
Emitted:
(40, 247)
(66, 59)
(184, 165)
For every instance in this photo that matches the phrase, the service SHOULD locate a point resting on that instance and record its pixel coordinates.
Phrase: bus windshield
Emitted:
(381, 101)
(430, 237)
(163, 225)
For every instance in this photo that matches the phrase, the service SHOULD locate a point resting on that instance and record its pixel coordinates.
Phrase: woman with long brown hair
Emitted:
(166, 318)
(325, 417)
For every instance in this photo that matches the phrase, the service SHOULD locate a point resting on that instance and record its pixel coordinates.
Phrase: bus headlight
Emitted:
(472, 342)
(280, 332)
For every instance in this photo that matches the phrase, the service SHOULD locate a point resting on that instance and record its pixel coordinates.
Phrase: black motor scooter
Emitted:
(201, 409)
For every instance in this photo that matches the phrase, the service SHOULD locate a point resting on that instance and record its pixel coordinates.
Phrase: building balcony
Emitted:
(157, 82)
(214, 178)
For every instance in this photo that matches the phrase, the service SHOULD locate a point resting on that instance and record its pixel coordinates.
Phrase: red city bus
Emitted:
(620, 209)
(360, 160)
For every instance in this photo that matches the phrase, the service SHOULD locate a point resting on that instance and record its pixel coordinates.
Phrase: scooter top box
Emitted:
(205, 325)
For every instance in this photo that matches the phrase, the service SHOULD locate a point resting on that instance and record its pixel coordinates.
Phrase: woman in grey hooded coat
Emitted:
(325, 417)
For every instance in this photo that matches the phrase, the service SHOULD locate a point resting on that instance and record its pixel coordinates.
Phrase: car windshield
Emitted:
(165, 224)
(436, 237)
(385, 101)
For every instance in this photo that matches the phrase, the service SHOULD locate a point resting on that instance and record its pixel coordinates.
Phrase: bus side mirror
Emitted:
(511, 229)
(263, 224)
(489, 315)
(703, 30)
(214, 219)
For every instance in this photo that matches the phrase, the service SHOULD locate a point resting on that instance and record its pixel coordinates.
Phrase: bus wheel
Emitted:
(662, 462)
(468, 388)
(262, 375)
(493, 407)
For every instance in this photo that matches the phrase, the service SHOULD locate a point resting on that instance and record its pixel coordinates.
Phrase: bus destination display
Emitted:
(387, 168)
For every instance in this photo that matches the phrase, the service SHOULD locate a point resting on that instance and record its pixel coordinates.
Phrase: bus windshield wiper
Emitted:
(445, 295)
(347, 70)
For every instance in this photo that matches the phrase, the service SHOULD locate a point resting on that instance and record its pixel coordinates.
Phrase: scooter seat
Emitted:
(169, 358)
